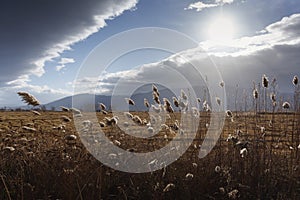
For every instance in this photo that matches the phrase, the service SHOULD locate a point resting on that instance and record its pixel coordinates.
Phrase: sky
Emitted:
(43, 44)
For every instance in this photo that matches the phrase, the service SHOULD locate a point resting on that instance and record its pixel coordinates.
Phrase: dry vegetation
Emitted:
(44, 163)
(256, 157)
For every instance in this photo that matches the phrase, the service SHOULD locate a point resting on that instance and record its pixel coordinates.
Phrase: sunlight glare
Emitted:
(221, 29)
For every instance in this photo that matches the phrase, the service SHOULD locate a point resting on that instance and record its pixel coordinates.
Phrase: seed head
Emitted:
(128, 115)
(129, 101)
(175, 102)
(64, 109)
(265, 81)
(217, 169)
(222, 84)
(70, 137)
(154, 89)
(295, 80)
(189, 176)
(273, 97)
(28, 98)
(255, 94)
(65, 118)
(286, 105)
(102, 106)
(35, 112)
(146, 103)
(156, 97)
(183, 95)
(243, 152)
(229, 113)
(169, 187)
(218, 100)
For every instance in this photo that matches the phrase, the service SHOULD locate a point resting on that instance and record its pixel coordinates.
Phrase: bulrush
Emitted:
(286, 105)
(295, 80)
(35, 112)
(183, 105)
(137, 120)
(102, 124)
(70, 137)
(169, 109)
(265, 81)
(129, 101)
(167, 105)
(169, 187)
(64, 109)
(243, 152)
(65, 118)
(222, 84)
(104, 112)
(218, 100)
(166, 101)
(146, 103)
(273, 97)
(189, 176)
(128, 115)
(28, 98)
(155, 90)
(102, 106)
(255, 94)
(75, 111)
(217, 169)
(111, 121)
(175, 102)
(183, 95)
(229, 113)
(156, 97)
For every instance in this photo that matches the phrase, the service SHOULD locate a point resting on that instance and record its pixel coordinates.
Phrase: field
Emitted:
(41, 161)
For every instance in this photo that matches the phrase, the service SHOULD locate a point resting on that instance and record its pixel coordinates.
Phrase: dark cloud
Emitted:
(34, 31)
(280, 62)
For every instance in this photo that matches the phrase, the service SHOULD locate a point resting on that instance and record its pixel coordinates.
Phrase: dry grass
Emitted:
(43, 165)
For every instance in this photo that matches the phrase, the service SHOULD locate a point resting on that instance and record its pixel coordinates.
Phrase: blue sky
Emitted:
(36, 38)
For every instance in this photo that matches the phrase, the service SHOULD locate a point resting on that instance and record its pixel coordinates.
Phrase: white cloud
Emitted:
(275, 52)
(44, 93)
(63, 62)
(199, 6)
(224, 1)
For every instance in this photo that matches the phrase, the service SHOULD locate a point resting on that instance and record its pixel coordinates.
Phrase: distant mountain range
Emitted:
(234, 102)
(106, 100)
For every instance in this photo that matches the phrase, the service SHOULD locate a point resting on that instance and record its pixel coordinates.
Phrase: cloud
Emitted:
(284, 32)
(63, 62)
(274, 51)
(199, 6)
(44, 93)
(33, 32)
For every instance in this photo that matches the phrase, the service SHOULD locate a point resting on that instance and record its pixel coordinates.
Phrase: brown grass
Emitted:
(46, 166)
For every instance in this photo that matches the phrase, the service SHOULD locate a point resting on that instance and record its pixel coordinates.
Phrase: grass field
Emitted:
(43, 162)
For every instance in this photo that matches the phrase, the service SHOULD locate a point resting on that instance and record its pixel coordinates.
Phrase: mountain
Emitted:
(237, 99)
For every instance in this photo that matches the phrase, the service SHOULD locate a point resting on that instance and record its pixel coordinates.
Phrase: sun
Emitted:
(221, 29)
